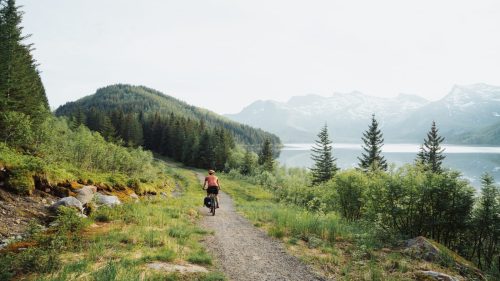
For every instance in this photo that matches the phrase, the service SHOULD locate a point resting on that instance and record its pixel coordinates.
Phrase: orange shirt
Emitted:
(212, 180)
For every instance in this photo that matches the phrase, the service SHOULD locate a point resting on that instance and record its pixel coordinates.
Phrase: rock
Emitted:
(164, 194)
(134, 196)
(422, 248)
(426, 249)
(86, 194)
(433, 275)
(71, 202)
(168, 267)
(107, 200)
(18, 221)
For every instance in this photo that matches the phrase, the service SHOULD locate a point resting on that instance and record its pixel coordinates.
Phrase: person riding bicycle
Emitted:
(212, 184)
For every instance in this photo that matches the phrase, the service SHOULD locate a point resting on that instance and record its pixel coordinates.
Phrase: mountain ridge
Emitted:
(405, 117)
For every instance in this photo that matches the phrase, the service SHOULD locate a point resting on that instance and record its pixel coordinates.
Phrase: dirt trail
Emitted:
(246, 253)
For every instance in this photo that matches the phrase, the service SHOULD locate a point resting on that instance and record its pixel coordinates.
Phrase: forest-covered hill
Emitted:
(144, 101)
(139, 116)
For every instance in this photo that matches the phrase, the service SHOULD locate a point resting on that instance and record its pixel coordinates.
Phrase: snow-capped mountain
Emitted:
(464, 109)
(403, 118)
(347, 114)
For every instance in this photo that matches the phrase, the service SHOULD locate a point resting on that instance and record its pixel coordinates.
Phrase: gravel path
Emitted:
(244, 252)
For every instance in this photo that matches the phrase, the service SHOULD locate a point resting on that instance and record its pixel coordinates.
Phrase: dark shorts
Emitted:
(212, 190)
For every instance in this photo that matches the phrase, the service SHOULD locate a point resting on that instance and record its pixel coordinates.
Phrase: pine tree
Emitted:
(266, 156)
(431, 154)
(206, 156)
(21, 88)
(373, 141)
(487, 223)
(324, 163)
(106, 128)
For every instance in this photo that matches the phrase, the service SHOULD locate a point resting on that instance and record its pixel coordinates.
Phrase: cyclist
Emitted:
(212, 185)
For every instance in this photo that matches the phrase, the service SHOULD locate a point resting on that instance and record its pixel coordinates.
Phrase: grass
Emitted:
(117, 243)
(339, 249)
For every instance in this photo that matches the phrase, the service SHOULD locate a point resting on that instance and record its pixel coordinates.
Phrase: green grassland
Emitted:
(118, 243)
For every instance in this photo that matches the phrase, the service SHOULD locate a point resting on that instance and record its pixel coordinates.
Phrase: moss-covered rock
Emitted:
(429, 250)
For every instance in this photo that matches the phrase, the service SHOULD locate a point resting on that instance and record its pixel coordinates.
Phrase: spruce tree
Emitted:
(324, 163)
(487, 223)
(431, 155)
(373, 141)
(266, 160)
(21, 88)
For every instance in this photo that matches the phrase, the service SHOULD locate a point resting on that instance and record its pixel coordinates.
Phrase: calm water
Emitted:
(472, 161)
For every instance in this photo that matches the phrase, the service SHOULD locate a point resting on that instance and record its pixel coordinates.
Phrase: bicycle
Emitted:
(213, 203)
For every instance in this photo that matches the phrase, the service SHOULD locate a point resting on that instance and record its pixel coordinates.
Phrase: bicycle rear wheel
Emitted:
(212, 208)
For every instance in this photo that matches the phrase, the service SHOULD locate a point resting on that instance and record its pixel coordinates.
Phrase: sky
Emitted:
(225, 54)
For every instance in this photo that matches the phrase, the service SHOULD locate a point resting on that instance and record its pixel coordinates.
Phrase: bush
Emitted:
(350, 187)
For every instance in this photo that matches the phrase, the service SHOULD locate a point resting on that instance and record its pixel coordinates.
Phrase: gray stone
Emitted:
(86, 194)
(107, 200)
(70, 201)
(134, 196)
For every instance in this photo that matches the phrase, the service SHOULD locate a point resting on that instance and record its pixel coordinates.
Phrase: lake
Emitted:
(471, 161)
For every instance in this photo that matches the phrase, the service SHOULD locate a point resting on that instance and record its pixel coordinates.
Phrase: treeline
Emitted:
(185, 140)
(419, 199)
(145, 103)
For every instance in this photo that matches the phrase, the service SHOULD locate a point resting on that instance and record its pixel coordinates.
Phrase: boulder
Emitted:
(134, 196)
(70, 202)
(422, 248)
(107, 200)
(426, 249)
(86, 194)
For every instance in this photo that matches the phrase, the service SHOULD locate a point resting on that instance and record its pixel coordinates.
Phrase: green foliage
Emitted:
(350, 193)
(373, 141)
(486, 226)
(21, 89)
(249, 163)
(324, 163)
(431, 154)
(15, 128)
(141, 116)
(266, 159)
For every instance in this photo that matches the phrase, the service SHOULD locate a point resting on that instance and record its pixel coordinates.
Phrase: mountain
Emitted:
(144, 101)
(347, 114)
(462, 112)
(403, 118)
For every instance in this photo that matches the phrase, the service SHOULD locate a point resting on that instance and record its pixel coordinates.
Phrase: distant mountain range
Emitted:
(468, 114)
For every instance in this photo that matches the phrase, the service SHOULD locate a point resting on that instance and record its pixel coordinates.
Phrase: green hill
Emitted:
(143, 100)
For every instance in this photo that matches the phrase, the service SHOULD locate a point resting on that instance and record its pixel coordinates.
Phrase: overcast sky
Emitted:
(225, 54)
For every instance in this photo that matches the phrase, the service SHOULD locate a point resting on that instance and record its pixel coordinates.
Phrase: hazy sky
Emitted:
(224, 54)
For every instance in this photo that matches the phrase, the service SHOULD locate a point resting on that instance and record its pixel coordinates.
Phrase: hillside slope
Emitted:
(146, 101)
